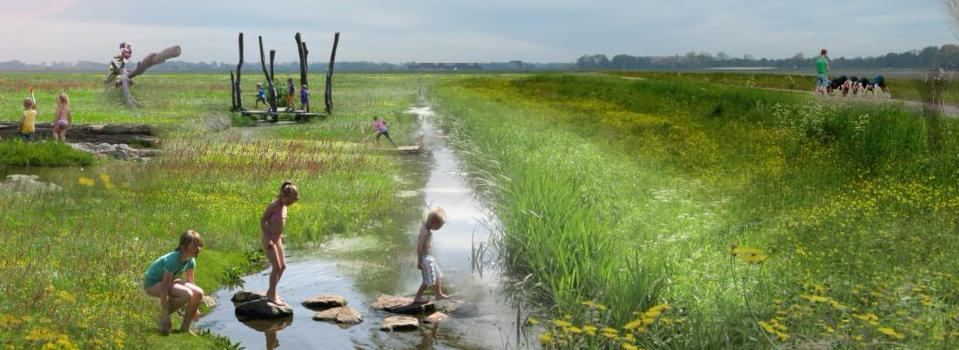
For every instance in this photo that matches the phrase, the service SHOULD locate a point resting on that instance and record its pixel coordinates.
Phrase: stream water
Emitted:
(330, 269)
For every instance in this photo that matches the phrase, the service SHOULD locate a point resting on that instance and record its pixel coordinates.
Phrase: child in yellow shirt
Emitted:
(28, 119)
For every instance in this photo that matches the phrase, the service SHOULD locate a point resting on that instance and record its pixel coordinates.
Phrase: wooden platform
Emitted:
(297, 115)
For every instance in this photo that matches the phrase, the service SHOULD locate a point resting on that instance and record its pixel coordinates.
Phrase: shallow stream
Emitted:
(336, 268)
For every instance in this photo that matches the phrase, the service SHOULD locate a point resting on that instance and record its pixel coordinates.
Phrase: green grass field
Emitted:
(666, 214)
(74, 260)
(681, 211)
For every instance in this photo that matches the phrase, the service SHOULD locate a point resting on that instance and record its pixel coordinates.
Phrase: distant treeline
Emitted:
(254, 68)
(946, 56)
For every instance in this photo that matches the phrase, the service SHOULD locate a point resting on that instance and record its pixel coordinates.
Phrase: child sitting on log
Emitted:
(162, 281)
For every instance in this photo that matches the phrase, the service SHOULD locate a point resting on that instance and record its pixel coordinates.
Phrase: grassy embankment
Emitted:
(699, 216)
(901, 88)
(73, 261)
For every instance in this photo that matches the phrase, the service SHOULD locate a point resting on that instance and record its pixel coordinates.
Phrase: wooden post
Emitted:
(328, 95)
(269, 79)
(272, 93)
(303, 53)
(232, 92)
(238, 95)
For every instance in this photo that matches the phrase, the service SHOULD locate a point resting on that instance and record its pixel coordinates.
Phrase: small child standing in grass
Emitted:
(304, 98)
(162, 281)
(28, 118)
(290, 91)
(271, 223)
(424, 261)
(63, 118)
(379, 126)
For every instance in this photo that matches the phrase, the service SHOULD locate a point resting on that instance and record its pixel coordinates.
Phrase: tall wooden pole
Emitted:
(328, 95)
(232, 92)
(269, 79)
(239, 67)
(272, 86)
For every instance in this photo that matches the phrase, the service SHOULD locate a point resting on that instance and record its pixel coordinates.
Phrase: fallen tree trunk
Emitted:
(140, 134)
(126, 78)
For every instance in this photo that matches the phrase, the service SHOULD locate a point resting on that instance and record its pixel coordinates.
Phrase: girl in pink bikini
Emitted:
(271, 223)
(63, 118)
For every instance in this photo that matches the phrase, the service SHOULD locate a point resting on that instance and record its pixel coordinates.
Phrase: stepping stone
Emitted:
(402, 305)
(245, 296)
(262, 309)
(342, 314)
(435, 317)
(209, 301)
(457, 307)
(399, 323)
(323, 302)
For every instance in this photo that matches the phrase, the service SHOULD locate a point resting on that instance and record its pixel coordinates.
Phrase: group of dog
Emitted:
(856, 86)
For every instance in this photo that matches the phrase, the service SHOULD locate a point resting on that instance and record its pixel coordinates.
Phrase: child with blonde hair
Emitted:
(271, 223)
(63, 118)
(162, 281)
(424, 261)
(28, 119)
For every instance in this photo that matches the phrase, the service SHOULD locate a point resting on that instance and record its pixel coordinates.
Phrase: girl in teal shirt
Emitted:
(163, 280)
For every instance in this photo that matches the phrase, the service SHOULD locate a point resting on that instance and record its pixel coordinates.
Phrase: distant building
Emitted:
(444, 67)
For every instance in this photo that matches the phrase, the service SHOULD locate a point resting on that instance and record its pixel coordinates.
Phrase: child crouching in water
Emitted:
(424, 261)
(162, 281)
(271, 223)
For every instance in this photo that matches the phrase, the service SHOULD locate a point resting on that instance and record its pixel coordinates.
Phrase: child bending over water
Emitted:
(162, 280)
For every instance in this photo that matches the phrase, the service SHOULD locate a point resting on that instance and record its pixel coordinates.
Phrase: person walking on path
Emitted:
(822, 68)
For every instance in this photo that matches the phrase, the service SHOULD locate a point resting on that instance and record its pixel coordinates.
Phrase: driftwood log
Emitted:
(126, 78)
(95, 133)
(328, 94)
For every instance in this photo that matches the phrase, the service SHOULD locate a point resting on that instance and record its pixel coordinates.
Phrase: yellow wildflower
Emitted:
(590, 329)
(106, 181)
(574, 330)
(629, 346)
(561, 323)
(532, 321)
(86, 181)
(545, 338)
(633, 325)
(891, 333)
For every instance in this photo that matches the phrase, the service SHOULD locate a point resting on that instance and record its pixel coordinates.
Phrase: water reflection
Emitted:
(269, 329)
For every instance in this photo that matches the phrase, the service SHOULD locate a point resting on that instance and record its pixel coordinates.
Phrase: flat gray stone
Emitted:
(399, 323)
(245, 296)
(402, 305)
(323, 302)
(262, 309)
(342, 315)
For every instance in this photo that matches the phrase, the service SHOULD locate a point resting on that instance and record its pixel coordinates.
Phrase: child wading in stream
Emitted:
(162, 281)
(425, 262)
(272, 222)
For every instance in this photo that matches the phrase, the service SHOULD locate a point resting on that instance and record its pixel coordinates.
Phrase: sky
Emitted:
(36, 31)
